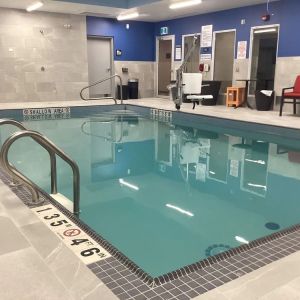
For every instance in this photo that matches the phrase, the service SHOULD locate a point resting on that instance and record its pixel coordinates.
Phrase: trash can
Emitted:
(264, 100)
(172, 87)
(133, 88)
(124, 92)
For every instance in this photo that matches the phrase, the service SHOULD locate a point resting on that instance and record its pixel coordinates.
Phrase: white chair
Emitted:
(192, 86)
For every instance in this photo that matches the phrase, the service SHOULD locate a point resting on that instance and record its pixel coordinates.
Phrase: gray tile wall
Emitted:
(143, 71)
(32, 41)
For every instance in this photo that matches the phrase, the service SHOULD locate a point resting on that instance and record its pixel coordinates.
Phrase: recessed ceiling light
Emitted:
(183, 4)
(128, 16)
(34, 6)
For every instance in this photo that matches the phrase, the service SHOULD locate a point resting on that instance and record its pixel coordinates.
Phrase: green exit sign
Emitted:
(164, 30)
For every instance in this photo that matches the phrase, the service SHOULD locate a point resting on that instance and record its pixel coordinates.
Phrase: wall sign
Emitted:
(205, 56)
(242, 50)
(164, 30)
(48, 113)
(88, 250)
(206, 36)
(161, 115)
(234, 168)
(178, 53)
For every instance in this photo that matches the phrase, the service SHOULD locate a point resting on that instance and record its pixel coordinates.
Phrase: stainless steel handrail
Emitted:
(54, 150)
(51, 154)
(12, 122)
(103, 137)
(101, 81)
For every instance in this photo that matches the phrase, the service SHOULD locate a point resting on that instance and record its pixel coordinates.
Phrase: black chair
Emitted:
(212, 88)
(208, 88)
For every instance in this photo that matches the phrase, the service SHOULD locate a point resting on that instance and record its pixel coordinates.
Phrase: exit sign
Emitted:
(164, 30)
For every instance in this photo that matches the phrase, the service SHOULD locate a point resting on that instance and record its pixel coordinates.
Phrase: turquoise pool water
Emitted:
(169, 195)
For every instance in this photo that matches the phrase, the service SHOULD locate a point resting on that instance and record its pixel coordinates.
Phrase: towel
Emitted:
(267, 93)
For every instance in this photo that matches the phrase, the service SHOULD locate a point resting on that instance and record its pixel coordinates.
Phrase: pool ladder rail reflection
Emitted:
(52, 150)
(99, 82)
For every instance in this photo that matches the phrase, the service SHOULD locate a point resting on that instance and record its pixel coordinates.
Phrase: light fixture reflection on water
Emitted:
(257, 186)
(241, 240)
(130, 185)
(185, 212)
(261, 162)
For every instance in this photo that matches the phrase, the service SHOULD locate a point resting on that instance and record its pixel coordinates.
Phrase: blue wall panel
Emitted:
(137, 43)
(289, 44)
(224, 20)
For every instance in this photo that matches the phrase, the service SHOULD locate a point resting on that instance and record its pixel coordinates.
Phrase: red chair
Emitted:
(294, 95)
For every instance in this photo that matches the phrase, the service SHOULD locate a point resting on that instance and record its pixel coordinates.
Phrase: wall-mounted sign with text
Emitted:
(206, 36)
(242, 50)
(164, 30)
(48, 113)
(178, 53)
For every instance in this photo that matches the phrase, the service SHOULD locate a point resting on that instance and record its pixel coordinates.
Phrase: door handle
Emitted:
(108, 69)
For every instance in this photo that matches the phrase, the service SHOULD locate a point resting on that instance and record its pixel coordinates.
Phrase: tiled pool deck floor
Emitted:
(219, 111)
(35, 264)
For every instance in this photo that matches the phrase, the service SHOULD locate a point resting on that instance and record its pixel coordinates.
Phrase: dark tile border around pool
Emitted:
(127, 281)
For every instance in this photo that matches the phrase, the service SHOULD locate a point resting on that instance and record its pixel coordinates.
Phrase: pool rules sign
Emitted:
(88, 250)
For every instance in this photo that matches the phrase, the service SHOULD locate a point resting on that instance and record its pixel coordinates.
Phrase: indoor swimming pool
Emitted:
(169, 194)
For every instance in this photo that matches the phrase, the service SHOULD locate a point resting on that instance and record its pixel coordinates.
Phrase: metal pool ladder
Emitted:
(99, 82)
(53, 150)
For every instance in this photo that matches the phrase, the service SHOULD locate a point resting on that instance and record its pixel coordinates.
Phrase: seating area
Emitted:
(192, 88)
(290, 96)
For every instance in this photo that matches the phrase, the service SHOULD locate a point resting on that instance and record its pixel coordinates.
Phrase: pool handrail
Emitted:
(12, 122)
(53, 150)
(52, 158)
(101, 81)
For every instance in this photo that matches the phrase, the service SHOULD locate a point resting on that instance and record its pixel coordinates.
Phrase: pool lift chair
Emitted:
(189, 84)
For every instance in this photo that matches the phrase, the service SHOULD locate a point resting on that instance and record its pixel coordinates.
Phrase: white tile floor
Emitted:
(46, 269)
(35, 264)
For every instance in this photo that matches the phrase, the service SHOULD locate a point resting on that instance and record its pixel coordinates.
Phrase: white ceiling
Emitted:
(153, 12)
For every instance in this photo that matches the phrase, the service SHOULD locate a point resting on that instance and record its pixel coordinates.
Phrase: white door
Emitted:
(100, 65)
(164, 60)
(224, 54)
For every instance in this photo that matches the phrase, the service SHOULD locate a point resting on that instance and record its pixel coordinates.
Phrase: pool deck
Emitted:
(220, 111)
(34, 262)
(56, 273)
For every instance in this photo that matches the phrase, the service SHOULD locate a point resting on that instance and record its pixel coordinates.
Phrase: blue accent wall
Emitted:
(286, 13)
(289, 44)
(137, 43)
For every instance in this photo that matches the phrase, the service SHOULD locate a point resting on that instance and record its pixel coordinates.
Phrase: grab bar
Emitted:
(101, 81)
(12, 122)
(51, 154)
(99, 136)
(53, 150)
